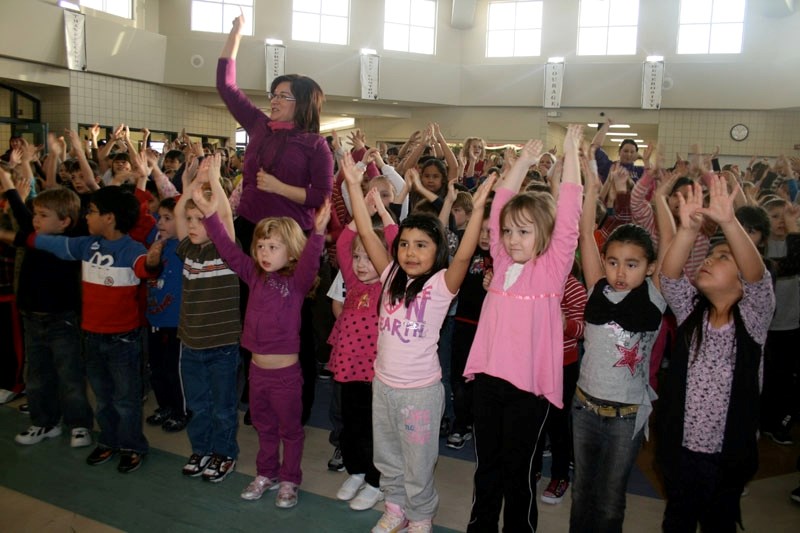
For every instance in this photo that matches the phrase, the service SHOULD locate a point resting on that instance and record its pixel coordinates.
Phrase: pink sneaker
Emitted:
(392, 521)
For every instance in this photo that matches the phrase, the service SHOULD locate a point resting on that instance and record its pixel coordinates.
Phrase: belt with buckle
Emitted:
(604, 410)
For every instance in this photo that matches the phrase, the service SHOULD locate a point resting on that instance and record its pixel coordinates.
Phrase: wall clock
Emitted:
(739, 132)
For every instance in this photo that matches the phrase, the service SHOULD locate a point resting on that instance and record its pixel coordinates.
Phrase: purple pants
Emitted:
(276, 407)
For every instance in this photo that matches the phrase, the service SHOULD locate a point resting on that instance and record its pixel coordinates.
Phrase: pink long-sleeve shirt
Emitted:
(520, 335)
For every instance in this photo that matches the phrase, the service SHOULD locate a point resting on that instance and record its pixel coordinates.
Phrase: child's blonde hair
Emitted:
(64, 202)
(537, 208)
(285, 229)
(468, 144)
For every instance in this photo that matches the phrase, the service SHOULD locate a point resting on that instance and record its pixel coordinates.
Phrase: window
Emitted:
(320, 22)
(711, 27)
(216, 16)
(514, 29)
(608, 27)
(120, 8)
(410, 26)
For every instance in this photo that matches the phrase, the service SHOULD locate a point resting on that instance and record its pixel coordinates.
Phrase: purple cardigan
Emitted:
(272, 319)
(295, 157)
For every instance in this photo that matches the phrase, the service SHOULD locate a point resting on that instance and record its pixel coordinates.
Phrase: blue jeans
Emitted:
(56, 373)
(209, 383)
(605, 451)
(113, 364)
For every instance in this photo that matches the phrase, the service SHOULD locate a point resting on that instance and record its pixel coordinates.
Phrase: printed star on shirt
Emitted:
(630, 357)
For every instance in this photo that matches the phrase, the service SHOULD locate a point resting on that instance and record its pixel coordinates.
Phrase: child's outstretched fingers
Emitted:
(482, 193)
(351, 172)
(574, 137)
(689, 206)
(207, 205)
(720, 207)
(322, 217)
(531, 151)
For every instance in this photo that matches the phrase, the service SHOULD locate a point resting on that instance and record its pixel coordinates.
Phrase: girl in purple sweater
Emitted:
(279, 271)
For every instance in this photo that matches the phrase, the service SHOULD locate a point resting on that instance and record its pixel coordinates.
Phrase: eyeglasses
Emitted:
(281, 96)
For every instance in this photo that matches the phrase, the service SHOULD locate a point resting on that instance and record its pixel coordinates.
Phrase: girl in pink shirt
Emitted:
(517, 357)
(407, 393)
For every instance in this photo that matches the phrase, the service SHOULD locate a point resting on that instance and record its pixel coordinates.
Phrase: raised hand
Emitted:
(238, 23)
(619, 176)
(689, 207)
(352, 174)
(481, 195)
(574, 138)
(373, 200)
(322, 217)
(452, 193)
(720, 206)
(374, 155)
(15, 157)
(154, 253)
(530, 152)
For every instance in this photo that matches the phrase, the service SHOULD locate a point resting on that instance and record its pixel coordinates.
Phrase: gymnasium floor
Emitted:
(48, 488)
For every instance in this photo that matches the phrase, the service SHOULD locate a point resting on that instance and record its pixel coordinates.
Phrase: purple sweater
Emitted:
(272, 319)
(295, 157)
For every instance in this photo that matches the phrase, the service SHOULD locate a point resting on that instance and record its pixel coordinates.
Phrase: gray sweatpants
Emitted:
(405, 433)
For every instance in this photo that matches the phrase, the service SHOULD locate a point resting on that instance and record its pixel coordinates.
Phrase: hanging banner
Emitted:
(75, 35)
(652, 78)
(370, 76)
(276, 62)
(553, 83)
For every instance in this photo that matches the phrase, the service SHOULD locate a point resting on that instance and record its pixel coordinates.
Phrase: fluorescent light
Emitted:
(639, 140)
(69, 5)
(617, 140)
(555, 59)
(620, 125)
(654, 59)
(338, 124)
(274, 41)
(592, 124)
(368, 52)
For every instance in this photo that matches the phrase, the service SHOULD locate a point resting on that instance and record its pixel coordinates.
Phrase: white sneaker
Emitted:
(422, 526)
(366, 498)
(350, 487)
(80, 437)
(36, 434)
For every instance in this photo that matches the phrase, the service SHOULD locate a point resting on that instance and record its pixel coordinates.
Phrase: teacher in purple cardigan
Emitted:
(287, 171)
(288, 167)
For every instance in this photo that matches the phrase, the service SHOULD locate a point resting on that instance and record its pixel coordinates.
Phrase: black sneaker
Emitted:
(100, 455)
(158, 417)
(780, 436)
(336, 462)
(175, 423)
(25, 408)
(796, 495)
(247, 420)
(129, 461)
(218, 468)
(324, 374)
(195, 465)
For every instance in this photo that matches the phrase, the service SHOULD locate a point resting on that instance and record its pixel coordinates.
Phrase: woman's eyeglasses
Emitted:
(281, 96)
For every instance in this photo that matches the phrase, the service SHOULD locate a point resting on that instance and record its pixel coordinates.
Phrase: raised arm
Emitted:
(691, 220)
(527, 156)
(372, 244)
(231, 48)
(449, 156)
(721, 210)
(591, 262)
(454, 275)
(86, 171)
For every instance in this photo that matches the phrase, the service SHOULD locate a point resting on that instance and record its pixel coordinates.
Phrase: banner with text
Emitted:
(370, 76)
(652, 78)
(553, 83)
(276, 62)
(75, 34)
